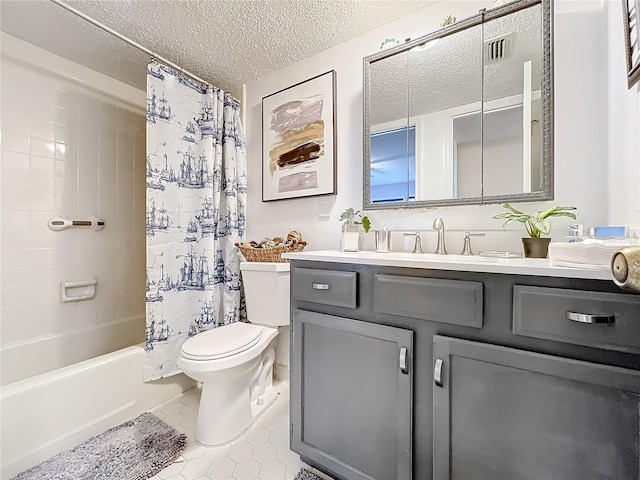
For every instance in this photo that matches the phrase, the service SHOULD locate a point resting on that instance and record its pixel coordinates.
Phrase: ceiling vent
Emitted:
(498, 48)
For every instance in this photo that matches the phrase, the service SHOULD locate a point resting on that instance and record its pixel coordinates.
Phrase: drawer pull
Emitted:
(437, 372)
(320, 286)
(588, 318)
(403, 360)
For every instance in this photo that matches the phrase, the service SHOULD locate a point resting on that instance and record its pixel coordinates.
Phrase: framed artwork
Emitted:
(631, 19)
(299, 140)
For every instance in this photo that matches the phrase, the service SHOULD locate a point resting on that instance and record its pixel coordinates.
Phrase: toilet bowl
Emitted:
(235, 362)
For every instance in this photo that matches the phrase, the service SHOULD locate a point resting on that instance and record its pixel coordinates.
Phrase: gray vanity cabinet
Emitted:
(355, 382)
(527, 391)
(503, 413)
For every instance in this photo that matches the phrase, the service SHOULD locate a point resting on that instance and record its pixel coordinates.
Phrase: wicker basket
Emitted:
(269, 254)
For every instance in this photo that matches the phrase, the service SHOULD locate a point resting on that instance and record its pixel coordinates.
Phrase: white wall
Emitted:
(73, 142)
(623, 119)
(587, 44)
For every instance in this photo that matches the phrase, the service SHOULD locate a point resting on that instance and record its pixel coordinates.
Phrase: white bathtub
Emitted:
(45, 414)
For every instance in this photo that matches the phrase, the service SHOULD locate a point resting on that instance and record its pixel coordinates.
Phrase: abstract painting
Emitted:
(299, 140)
(631, 18)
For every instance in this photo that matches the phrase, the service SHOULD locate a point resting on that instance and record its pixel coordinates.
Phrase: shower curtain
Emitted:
(196, 196)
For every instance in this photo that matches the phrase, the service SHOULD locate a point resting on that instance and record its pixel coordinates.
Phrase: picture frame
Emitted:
(631, 20)
(299, 154)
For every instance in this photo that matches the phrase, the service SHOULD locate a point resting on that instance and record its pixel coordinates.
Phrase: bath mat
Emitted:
(305, 474)
(134, 450)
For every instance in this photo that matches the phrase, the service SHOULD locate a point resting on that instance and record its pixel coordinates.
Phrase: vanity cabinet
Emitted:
(503, 414)
(524, 392)
(352, 382)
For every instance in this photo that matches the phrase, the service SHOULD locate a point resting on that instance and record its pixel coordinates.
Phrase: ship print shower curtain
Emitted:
(196, 195)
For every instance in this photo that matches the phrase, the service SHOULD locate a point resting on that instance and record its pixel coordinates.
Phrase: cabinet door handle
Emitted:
(320, 286)
(437, 372)
(403, 360)
(588, 318)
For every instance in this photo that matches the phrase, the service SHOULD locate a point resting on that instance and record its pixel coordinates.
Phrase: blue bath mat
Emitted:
(134, 450)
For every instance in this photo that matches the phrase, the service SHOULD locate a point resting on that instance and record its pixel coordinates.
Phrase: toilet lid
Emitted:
(221, 341)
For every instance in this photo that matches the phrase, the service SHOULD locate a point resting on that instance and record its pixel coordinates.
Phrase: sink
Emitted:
(428, 257)
(432, 257)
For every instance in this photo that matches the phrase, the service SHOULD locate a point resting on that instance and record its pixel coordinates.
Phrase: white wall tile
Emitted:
(59, 169)
(14, 219)
(41, 202)
(25, 321)
(44, 129)
(42, 147)
(15, 238)
(42, 165)
(12, 141)
(14, 161)
(38, 221)
(12, 200)
(80, 155)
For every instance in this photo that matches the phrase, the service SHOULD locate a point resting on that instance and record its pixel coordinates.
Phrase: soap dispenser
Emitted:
(350, 235)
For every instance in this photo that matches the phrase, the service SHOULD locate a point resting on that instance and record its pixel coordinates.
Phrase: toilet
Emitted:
(234, 362)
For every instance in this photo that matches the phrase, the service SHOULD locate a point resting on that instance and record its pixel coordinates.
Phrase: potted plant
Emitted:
(349, 217)
(536, 225)
(351, 230)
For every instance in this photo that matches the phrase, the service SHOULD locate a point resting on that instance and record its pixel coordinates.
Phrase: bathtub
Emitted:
(51, 412)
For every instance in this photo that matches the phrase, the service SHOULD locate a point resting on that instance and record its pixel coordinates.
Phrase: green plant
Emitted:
(349, 216)
(538, 224)
(448, 21)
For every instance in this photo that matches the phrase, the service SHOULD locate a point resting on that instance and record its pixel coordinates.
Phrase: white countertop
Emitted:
(517, 266)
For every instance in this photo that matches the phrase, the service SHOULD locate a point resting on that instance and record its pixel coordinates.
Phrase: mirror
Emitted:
(462, 115)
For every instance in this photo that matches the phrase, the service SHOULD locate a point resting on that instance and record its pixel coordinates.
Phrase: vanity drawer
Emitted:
(458, 302)
(578, 316)
(324, 286)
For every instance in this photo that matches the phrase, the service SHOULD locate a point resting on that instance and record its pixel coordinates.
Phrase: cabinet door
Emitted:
(502, 413)
(351, 396)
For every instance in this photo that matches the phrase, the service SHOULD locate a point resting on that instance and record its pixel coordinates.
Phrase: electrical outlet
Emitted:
(324, 208)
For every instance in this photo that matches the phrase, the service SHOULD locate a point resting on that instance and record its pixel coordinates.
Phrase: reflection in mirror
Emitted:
(512, 153)
(473, 104)
(392, 166)
(445, 84)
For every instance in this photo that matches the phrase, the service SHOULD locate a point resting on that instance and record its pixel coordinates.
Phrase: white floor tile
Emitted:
(196, 468)
(247, 470)
(273, 470)
(262, 452)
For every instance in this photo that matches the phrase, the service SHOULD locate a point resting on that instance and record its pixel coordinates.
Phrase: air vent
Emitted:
(498, 48)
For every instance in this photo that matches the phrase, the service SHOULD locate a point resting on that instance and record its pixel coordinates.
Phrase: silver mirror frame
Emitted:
(547, 192)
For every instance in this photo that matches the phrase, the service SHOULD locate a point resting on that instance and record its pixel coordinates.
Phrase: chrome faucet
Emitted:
(417, 247)
(466, 248)
(438, 224)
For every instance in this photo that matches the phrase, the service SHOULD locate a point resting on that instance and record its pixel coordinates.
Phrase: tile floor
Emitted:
(262, 452)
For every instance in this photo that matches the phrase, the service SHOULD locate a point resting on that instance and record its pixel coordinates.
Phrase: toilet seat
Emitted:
(221, 342)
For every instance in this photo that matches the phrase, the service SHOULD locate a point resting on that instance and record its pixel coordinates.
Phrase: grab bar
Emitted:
(60, 223)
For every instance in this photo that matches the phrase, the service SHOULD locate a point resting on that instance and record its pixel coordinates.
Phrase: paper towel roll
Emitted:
(625, 268)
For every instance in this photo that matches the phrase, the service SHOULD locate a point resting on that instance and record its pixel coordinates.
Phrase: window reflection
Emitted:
(393, 165)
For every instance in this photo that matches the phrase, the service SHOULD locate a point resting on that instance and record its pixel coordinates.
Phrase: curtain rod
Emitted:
(128, 40)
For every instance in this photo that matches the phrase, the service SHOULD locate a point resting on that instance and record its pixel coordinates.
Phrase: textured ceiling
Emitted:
(227, 42)
(449, 73)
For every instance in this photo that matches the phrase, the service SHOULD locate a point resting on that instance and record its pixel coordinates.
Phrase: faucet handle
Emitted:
(417, 247)
(466, 249)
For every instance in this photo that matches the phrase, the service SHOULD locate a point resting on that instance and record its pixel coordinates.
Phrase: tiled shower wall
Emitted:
(73, 143)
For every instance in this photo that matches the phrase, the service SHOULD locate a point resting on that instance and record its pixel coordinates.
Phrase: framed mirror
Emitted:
(631, 20)
(462, 115)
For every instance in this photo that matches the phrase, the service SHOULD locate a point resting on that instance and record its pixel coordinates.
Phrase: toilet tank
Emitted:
(266, 289)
